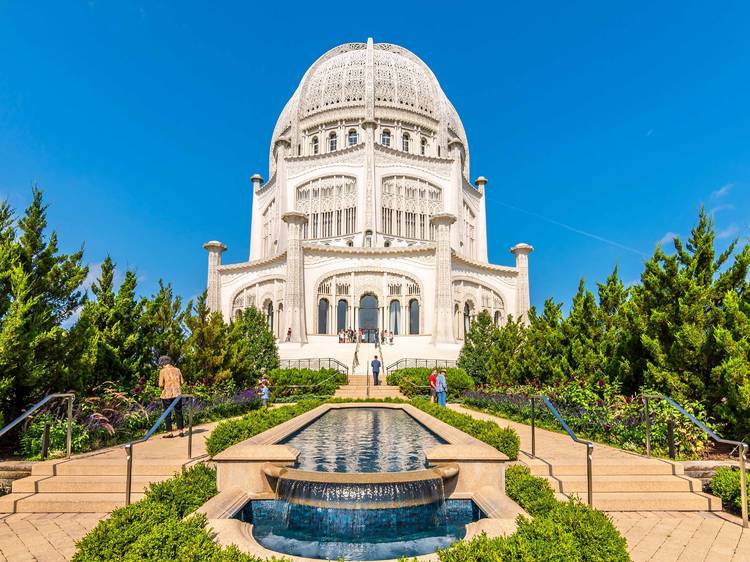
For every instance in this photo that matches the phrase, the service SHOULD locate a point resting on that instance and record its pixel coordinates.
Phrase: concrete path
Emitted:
(658, 536)
(43, 537)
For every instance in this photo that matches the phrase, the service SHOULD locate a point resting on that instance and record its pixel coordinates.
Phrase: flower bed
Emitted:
(415, 381)
(612, 419)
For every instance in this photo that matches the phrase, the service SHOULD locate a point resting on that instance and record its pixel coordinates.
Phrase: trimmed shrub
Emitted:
(726, 485)
(230, 432)
(535, 495)
(187, 493)
(415, 381)
(293, 382)
(504, 439)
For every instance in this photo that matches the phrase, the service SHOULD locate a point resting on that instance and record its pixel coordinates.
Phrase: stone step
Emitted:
(629, 483)
(656, 501)
(644, 468)
(64, 503)
(81, 484)
(114, 467)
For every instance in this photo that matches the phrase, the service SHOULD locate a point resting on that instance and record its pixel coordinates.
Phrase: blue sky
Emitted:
(601, 126)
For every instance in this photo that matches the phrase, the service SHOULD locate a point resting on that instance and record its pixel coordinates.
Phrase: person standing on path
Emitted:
(375, 370)
(170, 382)
(265, 394)
(441, 386)
(433, 386)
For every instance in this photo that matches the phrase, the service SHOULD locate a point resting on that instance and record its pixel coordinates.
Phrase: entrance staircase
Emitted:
(359, 389)
(621, 481)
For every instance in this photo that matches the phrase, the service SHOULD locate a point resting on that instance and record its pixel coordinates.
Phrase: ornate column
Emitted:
(256, 223)
(481, 221)
(454, 200)
(294, 290)
(284, 193)
(523, 300)
(369, 125)
(213, 292)
(442, 329)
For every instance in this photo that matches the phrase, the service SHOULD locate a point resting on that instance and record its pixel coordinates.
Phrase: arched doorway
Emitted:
(467, 318)
(368, 316)
(414, 317)
(323, 316)
(342, 311)
(395, 311)
(269, 315)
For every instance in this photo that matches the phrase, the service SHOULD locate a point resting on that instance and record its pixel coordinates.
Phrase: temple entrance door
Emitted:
(368, 317)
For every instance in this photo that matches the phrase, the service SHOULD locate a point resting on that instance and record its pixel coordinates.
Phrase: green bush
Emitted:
(415, 381)
(292, 382)
(504, 439)
(726, 485)
(230, 432)
(187, 493)
(533, 494)
(31, 438)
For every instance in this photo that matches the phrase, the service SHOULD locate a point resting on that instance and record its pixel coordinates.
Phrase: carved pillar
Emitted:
(454, 203)
(256, 222)
(294, 292)
(442, 329)
(523, 300)
(213, 292)
(283, 191)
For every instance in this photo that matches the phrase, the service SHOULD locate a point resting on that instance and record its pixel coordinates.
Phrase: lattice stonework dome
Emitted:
(369, 220)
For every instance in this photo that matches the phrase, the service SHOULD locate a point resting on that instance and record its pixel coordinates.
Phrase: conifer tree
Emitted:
(206, 347)
(505, 355)
(162, 324)
(582, 333)
(476, 351)
(543, 357)
(252, 347)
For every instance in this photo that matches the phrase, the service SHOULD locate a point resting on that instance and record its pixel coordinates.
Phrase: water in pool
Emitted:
(358, 534)
(363, 440)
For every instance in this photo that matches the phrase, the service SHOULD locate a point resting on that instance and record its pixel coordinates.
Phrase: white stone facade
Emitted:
(369, 219)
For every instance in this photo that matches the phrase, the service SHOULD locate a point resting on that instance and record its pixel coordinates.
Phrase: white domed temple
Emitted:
(369, 219)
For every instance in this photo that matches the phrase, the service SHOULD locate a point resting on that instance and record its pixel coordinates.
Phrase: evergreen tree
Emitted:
(162, 324)
(476, 351)
(583, 334)
(40, 290)
(543, 357)
(205, 348)
(612, 297)
(252, 347)
(505, 355)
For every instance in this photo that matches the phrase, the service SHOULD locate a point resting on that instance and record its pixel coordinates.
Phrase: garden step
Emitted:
(655, 501)
(84, 484)
(64, 503)
(639, 467)
(107, 466)
(628, 483)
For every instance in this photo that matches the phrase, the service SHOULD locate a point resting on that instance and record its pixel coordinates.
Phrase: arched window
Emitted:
(332, 142)
(323, 316)
(368, 238)
(423, 147)
(385, 138)
(395, 312)
(353, 137)
(314, 146)
(405, 142)
(414, 316)
(350, 243)
(269, 315)
(342, 310)
(387, 243)
(467, 318)
(498, 318)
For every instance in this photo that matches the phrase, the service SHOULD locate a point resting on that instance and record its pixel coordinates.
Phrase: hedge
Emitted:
(560, 531)
(230, 432)
(504, 439)
(726, 484)
(415, 381)
(293, 382)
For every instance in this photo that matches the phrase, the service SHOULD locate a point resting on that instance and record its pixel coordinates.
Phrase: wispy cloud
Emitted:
(95, 270)
(729, 232)
(723, 191)
(667, 238)
(724, 207)
(576, 230)
(649, 132)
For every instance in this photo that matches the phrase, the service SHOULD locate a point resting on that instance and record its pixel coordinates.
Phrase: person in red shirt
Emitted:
(433, 385)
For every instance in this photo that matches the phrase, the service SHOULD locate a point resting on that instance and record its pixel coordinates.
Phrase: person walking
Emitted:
(433, 386)
(375, 370)
(265, 394)
(289, 334)
(170, 382)
(441, 386)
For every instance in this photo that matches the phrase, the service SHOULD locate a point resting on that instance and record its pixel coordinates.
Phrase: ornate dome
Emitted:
(370, 81)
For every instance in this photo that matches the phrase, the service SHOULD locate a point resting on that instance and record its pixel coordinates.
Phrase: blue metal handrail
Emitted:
(69, 396)
(743, 447)
(571, 434)
(147, 436)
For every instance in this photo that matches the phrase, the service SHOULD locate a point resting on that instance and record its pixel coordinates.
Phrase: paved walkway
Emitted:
(657, 536)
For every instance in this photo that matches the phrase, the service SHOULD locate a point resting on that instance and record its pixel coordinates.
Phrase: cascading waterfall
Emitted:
(352, 510)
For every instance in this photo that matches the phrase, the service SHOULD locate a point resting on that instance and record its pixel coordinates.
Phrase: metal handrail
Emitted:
(422, 363)
(69, 396)
(319, 361)
(129, 446)
(743, 447)
(571, 434)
